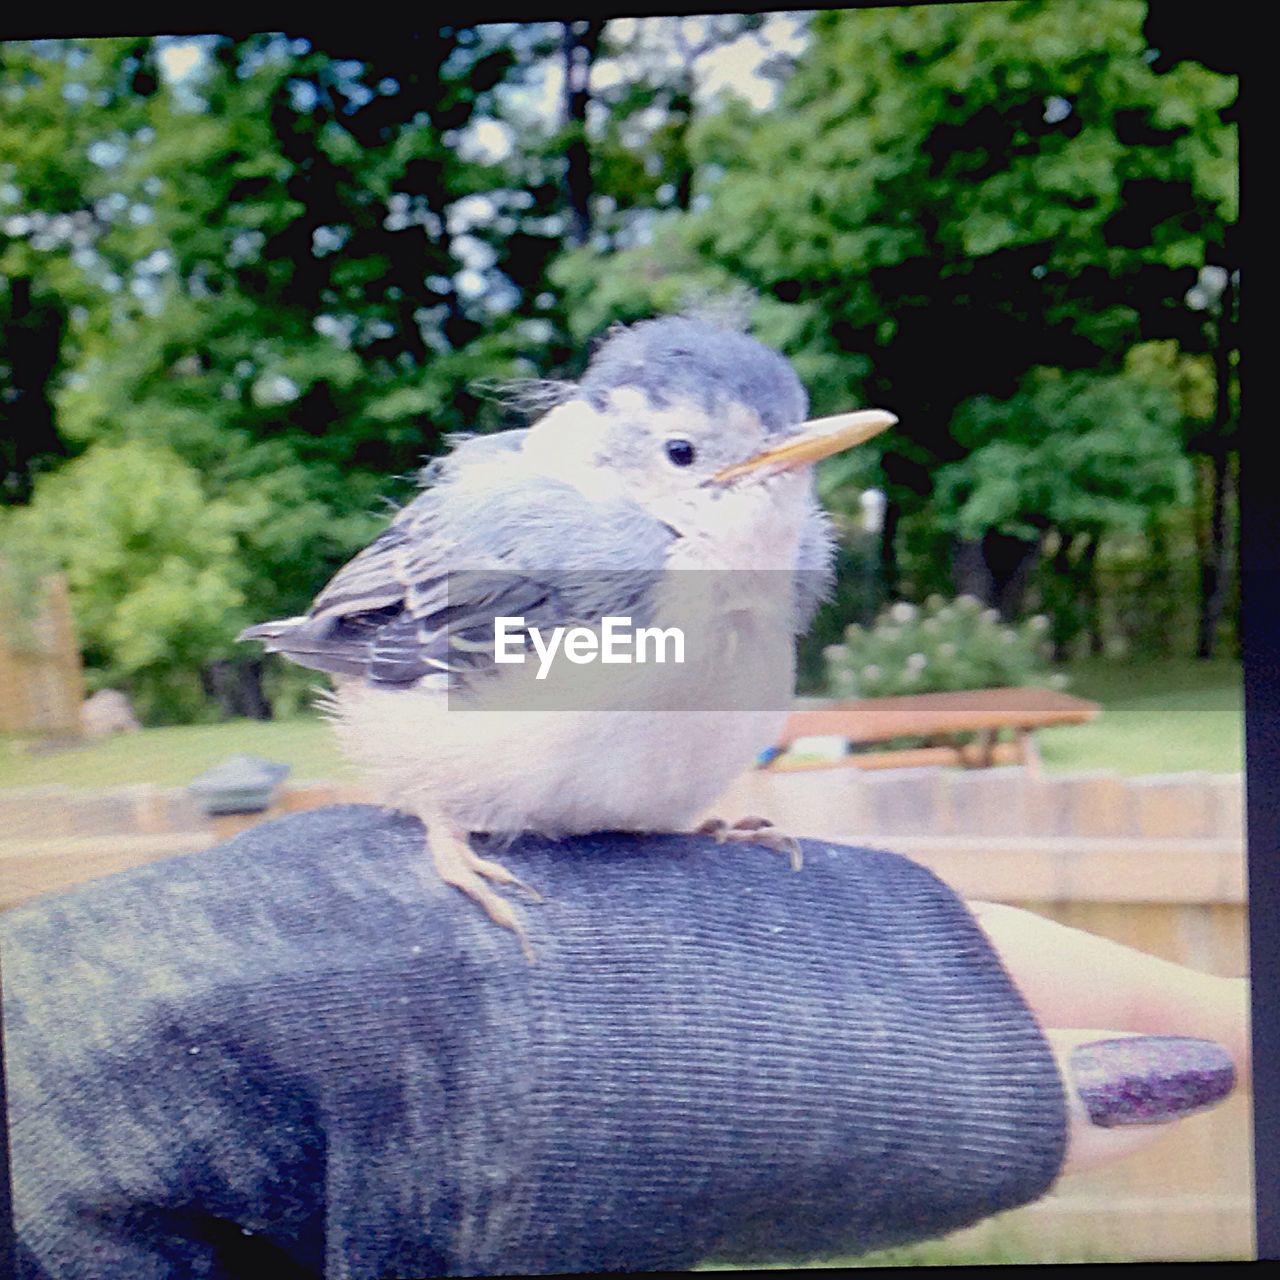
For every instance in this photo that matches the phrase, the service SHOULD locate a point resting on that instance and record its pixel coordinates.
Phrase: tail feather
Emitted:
(309, 643)
(268, 631)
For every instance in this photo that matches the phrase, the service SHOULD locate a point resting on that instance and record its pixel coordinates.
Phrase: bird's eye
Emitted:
(681, 453)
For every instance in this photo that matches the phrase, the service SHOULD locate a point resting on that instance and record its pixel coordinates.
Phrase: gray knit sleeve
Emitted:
(299, 1054)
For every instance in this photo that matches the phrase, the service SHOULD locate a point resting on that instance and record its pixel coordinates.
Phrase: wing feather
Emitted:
(420, 599)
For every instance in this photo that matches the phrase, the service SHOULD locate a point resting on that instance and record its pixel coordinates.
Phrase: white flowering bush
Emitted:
(942, 645)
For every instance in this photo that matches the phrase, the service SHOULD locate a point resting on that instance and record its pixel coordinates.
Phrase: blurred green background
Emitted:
(248, 285)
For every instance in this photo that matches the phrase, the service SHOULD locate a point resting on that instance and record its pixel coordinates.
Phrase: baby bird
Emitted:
(670, 489)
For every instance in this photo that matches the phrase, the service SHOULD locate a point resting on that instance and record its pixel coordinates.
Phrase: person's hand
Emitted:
(1187, 1032)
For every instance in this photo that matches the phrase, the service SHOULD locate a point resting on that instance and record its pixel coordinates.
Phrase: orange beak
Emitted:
(812, 441)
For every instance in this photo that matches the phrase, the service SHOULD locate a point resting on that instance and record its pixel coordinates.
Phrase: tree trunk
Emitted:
(1062, 620)
(996, 569)
(970, 573)
(1012, 562)
(580, 42)
(1215, 566)
(889, 550)
(1092, 600)
(235, 684)
(682, 121)
(252, 697)
(30, 347)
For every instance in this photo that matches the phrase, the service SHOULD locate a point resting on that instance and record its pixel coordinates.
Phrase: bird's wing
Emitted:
(486, 540)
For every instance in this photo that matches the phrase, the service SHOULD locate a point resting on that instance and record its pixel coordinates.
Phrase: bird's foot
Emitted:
(459, 865)
(496, 871)
(753, 830)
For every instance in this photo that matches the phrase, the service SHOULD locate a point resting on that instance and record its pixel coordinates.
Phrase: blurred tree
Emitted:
(287, 261)
(950, 197)
(650, 93)
(1077, 455)
(55, 96)
(628, 128)
(1207, 386)
(580, 42)
(31, 330)
(152, 564)
(280, 287)
(1218, 444)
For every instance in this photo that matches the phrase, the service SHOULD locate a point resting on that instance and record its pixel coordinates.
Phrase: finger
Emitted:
(1070, 978)
(1125, 1092)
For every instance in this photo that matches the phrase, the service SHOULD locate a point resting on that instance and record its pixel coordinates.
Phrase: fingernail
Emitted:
(1150, 1079)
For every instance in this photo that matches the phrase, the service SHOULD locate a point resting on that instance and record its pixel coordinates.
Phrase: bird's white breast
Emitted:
(643, 747)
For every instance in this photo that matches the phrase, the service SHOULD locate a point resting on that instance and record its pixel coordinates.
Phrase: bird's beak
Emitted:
(812, 441)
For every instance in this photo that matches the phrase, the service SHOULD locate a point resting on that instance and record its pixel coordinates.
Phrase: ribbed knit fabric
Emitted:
(299, 1054)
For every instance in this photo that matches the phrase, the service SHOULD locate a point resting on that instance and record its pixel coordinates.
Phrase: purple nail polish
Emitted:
(1150, 1079)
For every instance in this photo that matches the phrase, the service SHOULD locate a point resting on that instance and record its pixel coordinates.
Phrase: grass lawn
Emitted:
(1166, 716)
(1158, 717)
(172, 757)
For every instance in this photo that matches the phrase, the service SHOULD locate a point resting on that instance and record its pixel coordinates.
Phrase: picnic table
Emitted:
(940, 718)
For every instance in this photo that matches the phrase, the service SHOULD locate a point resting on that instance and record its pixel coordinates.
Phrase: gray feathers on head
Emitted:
(676, 358)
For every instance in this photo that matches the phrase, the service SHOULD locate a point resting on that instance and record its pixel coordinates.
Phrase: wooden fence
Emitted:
(1155, 862)
(41, 683)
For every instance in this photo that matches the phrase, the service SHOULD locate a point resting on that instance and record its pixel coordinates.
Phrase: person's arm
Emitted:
(1140, 1041)
(297, 1052)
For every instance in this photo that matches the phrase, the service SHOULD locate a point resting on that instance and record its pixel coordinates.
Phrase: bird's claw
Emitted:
(497, 872)
(753, 830)
(459, 865)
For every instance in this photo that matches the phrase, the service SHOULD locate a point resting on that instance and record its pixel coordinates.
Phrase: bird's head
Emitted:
(703, 427)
